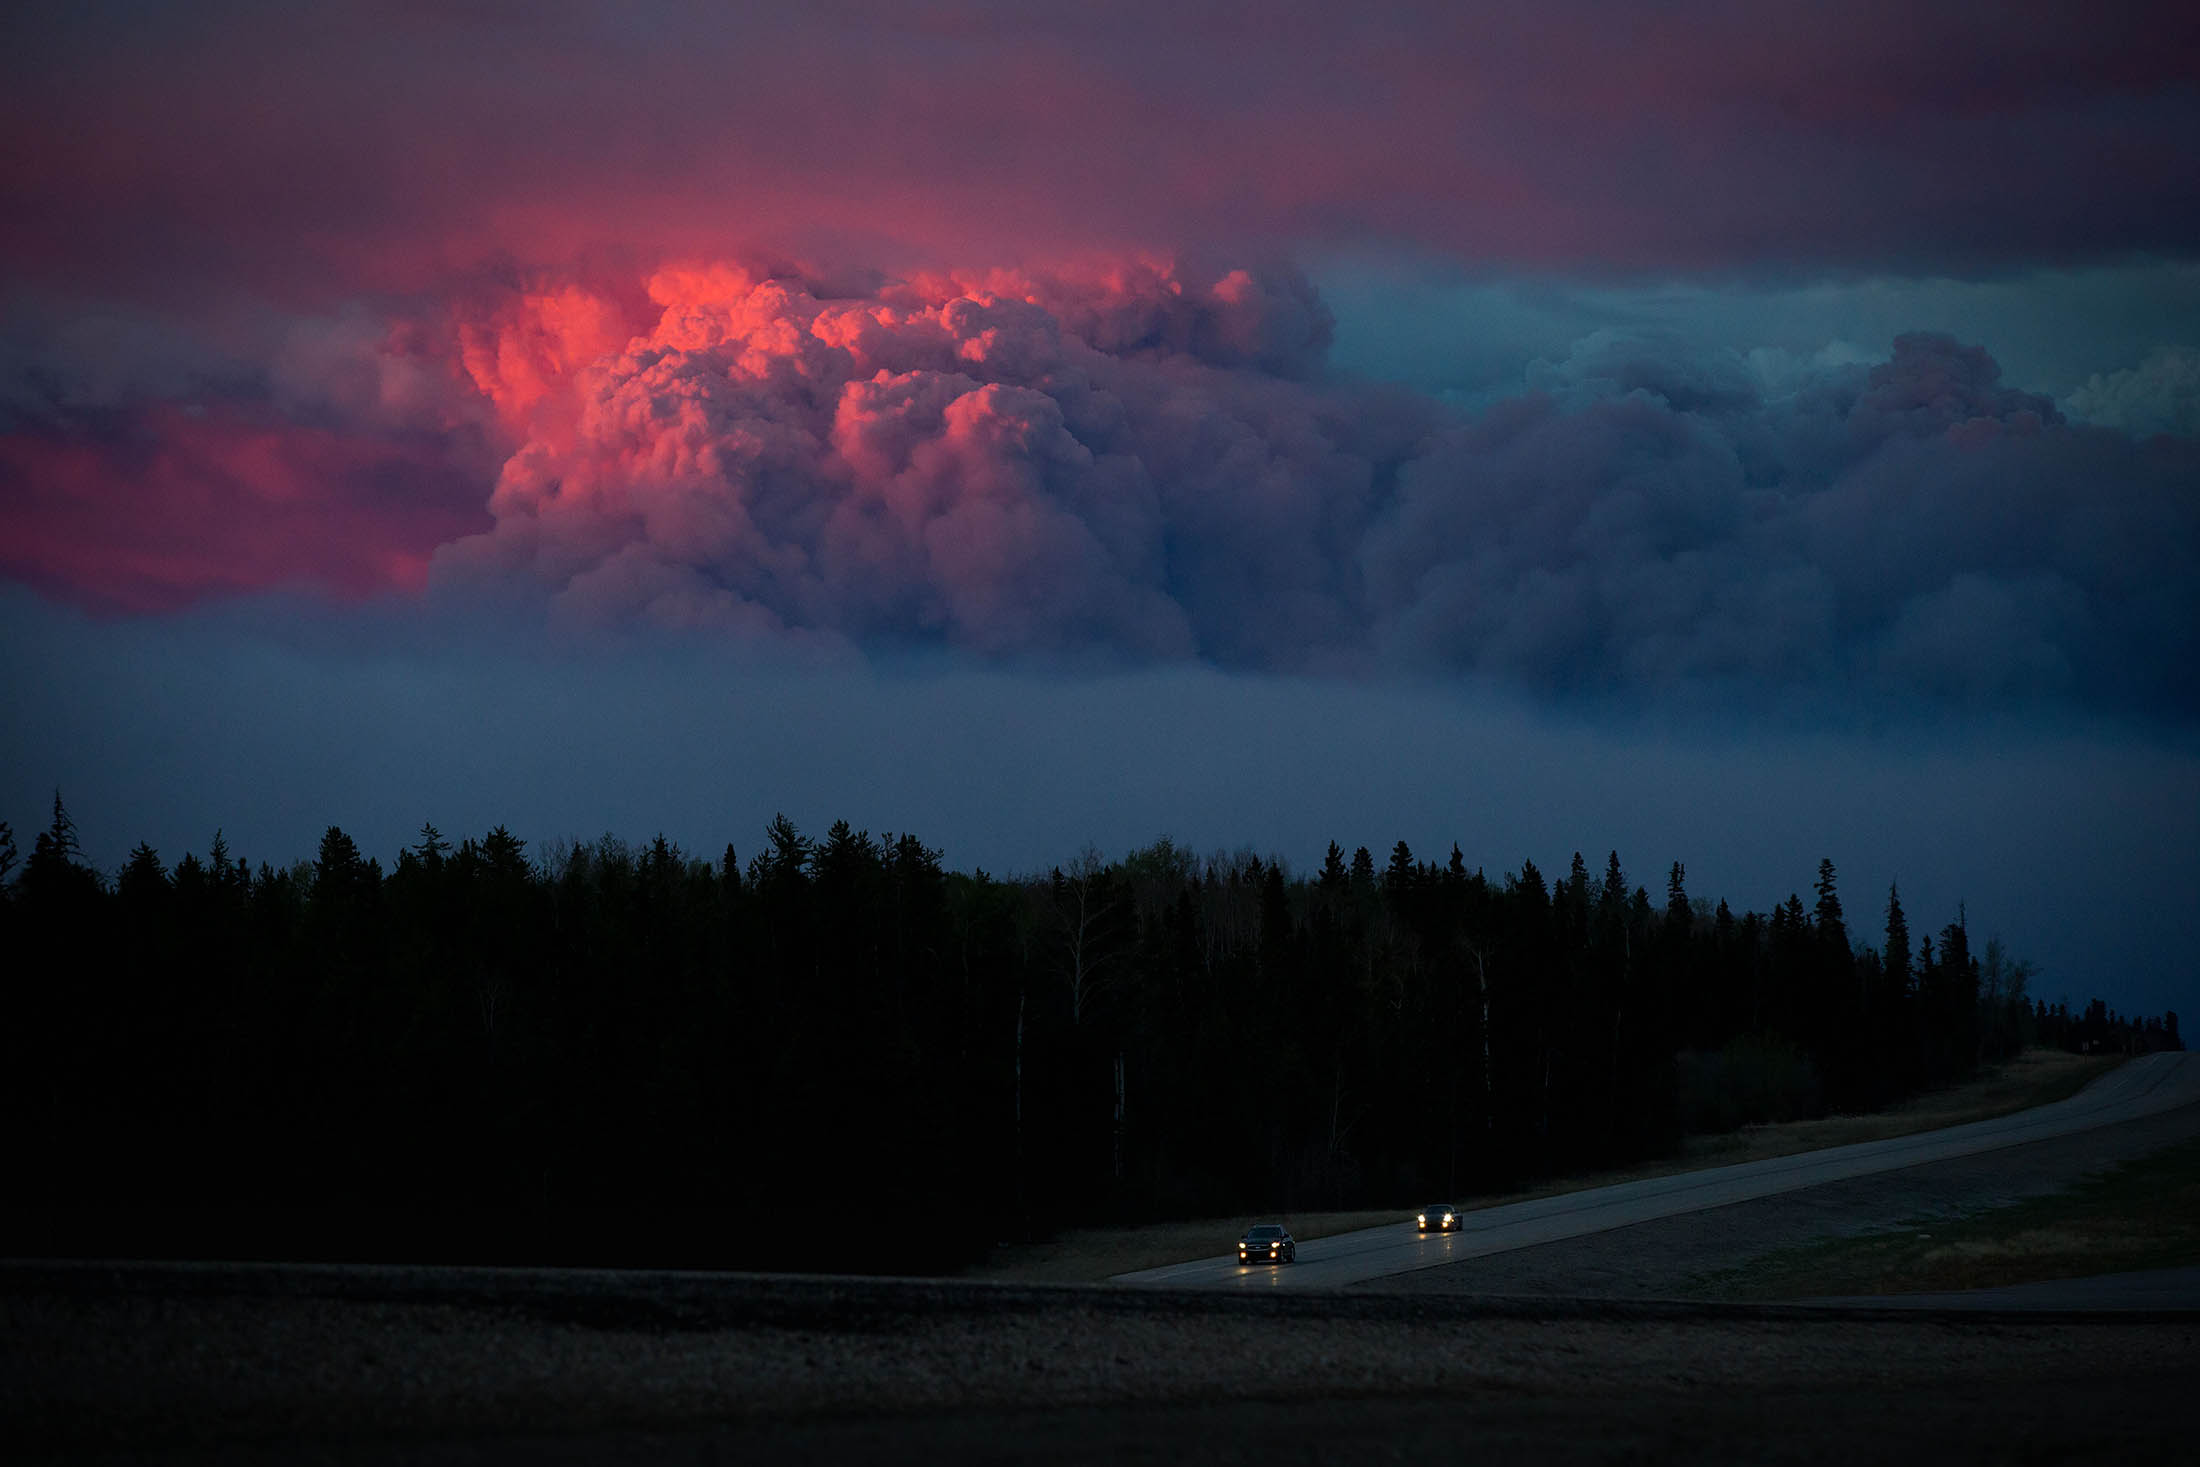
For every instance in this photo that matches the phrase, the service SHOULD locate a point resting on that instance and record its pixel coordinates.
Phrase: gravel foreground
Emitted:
(204, 1363)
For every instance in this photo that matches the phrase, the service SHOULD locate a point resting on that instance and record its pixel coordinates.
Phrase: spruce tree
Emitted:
(337, 869)
(505, 854)
(56, 872)
(142, 875)
(1833, 932)
(60, 837)
(1678, 918)
(1612, 895)
(1363, 871)
(1899, 977)
(1398, 877)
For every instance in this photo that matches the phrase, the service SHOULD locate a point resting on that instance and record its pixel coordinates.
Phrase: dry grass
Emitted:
(2035, 1077)
(1090, 1255)
(2142, 1214)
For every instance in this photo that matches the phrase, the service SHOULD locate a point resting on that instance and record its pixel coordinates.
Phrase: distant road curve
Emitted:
(2142, 1087)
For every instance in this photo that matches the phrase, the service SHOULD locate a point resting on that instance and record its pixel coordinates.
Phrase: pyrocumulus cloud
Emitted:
(1148, 466)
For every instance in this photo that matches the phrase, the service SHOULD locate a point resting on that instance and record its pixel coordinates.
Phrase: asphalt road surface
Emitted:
(1685, 1255)
(2144, 1087)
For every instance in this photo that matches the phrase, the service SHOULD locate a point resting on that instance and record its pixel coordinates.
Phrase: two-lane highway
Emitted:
(2143, 1087)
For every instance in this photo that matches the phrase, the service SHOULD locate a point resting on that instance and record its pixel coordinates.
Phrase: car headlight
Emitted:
(1447, 1217)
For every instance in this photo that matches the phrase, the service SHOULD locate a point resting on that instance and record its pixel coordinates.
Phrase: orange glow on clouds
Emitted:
(949, 454)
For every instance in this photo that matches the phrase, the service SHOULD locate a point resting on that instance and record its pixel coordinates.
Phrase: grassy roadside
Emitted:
(2035, 1077)
(1091, 1255)
(2138, 1215)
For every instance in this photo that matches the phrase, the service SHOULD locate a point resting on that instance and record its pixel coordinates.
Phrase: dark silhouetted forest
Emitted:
(838, 1053)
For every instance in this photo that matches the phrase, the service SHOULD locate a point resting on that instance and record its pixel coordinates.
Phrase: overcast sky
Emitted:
(1735, 434)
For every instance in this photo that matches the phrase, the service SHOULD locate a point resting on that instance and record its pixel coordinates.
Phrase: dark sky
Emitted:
(1727, 433)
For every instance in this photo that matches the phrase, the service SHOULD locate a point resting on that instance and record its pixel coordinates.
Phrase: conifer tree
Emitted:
(60, 836)
(1678, 917)
(1899, 977)
(336, 869)
(56, 873)
(1398, 876)
(142, 875)
(1833, 933)
(785, 859)
(1532, 886)
(1612, 895)
(1363, 871)
(505, 854)
(217, 861)
(1333, 873)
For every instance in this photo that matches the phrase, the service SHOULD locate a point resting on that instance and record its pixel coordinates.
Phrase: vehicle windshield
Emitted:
(1265, 1233)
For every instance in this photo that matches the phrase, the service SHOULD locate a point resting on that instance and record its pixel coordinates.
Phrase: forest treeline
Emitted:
(840, 1053)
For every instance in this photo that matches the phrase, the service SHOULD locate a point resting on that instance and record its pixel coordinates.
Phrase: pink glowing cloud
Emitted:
(185, 506)
(1005, 461)
(1014, 464)
(1134, 461)
(669, 315)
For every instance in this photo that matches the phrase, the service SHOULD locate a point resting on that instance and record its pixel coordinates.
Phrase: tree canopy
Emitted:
(616, 1052)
